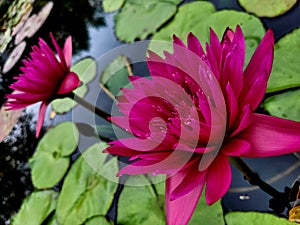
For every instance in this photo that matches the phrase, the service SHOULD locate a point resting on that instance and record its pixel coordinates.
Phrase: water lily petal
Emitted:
(194, 45)
(69, 83)
(68, 51)
(236, 147)
(59, 51)
(179, 211)
(271, 136)
(41, 118)
(258, 71)
(218, 179)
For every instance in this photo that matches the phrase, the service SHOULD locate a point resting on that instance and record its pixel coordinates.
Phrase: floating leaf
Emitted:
(183, 23)
(204, 214)
(112, 5)
(185, 19)
(286, 70)
(88, 189)
(86, 70)
(267, 8)
(139, 205)
(115, 76)
(14, 57)
(34, 23)
(51, 159)
(140, 18)
(36, 208)
(254, 218)
(98, 220)
(8, 120)
(286, 105)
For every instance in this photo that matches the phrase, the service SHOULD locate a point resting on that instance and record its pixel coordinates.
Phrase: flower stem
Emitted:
(253, 177)
(94, 109)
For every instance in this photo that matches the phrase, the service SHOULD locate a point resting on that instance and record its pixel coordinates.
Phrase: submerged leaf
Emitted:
(36, 208)
(115, 76)
(112, 5)
(140, 18)
(86, 70)
(14, 57)
(98, 220)
(286, 70)
(51, 159)
(254, 218)
(285, 105)
(88, 189)
(267, 8)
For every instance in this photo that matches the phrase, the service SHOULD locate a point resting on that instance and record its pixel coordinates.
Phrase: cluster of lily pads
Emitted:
(69, 187)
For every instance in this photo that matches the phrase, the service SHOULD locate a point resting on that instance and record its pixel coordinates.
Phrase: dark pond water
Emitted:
(93, 35)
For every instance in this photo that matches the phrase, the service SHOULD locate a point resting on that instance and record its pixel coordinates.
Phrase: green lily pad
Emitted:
(285, 105)
(204, 214)
(186, 18)
(254, 218)
(86, 70)
(185, 22)
(267, 8)
(286, 70)
(36, 208)
(98, 220)
(51, 159)
(115, 76)
(139, 205)
(112, 5)
(87, 191)
(140, 18)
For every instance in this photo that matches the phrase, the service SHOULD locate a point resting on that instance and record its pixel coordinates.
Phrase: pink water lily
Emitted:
(44, 77)
(195, 112)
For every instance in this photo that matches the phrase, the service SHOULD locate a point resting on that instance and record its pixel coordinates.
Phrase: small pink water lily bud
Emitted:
(43, 78)
(195, 112)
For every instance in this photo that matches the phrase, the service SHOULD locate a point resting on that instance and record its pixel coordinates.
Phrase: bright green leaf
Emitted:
(115, 76)
(188, 20)
(267, 8)
(98, 220)
(254, 218)
(112, 5)
(204, 214)
(51, 159)
(89, 187)
(139, 205)
(36, 208)
(286, 69)
(86, 70)
(140, 18)
(286, 105)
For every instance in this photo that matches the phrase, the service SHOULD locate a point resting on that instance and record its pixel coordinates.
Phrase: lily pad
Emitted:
(139, 205)
(254, 218)
(286, 70)
(8, 120)
(51, 159)
(183, 23)
(115, 76)
(86, 70)
(98, 220)
(267, 8)
(14, 57)
(112, 5)
(86, 191)
(34, 23)
(140, 18)
(36, 208)
(204, 214)
(285, 105)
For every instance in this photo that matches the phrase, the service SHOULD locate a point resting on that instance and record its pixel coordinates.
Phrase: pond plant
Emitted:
(163, 153)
